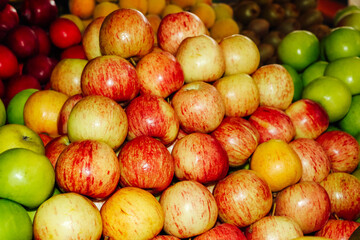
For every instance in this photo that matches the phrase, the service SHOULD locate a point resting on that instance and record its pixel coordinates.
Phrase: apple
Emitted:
(240, 94)
(90, 38)
(20, 136)
(40, 66)
(165, 237)
(146, 163)
(299, 49)
(15, 107)
(351, 122)
(19, 83)
(9, 65)
(152, 116)
(111, 76)
(343, 190)
(15, 223)
(297, 80)
(55, 147)
(43, 37)
(315, 162)
(342, 149)
(338, 229)
(132, 213)
(199, 106)
(27, 177)
(65, 112)
(275, 84)
(222, 231)
(22, 40)
(126, 32)
(243, 197)
(201, 59)
(40, 12)
(159, 73)
(9, 18)
(66, 76)
(239, 139)
(2, 113)
(274, 227)
(88, 167)
(2, 89)
(241, 54)
(351, 20)
(64, 33)
(175, 27)
(313, 71)
(200, 157)
(309, 118)
(332, 93)
(45, 138)
(185, 203)
(75, 51)
(307, 203)
(98, 118)
(272, 123)
(78, 217)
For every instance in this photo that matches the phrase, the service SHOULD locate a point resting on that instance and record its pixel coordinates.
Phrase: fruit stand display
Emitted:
(179, 119)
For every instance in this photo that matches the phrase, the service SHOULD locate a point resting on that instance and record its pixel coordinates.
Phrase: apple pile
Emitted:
(185, 138)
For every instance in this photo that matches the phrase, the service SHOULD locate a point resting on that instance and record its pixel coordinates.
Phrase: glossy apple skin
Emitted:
(19, 83)
(40, 66)
(254, 192)
(239, 139)
(88, 167)
(43, 37)
(110, 76)
(146, 163)
(9, 18)
(314, 160)
(65, 112)
(159, 74)
(222, 231)
(338, 229)
(309, 118)
(274, 227)
(9, 65)
(186, 202)
(152, 116)
(126, 33)
(342, 149)
(90, 38)
(64, 33)
(174, 28)
(275, 85)
(55, 147)
(308, 203)
(199, 106)
(75, 51)
(22, 40)
(200, 157)
(343, 190)
(39, 12)
(272, 123)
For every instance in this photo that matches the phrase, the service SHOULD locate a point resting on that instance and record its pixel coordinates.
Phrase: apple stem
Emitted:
(273, 210)
(132, 61)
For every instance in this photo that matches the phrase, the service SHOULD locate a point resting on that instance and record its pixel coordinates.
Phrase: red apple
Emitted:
(19, 83)
(2, 89)
(338, 229)
(175, 27)
(22, 40)
(40, 66)
(186, 203)
(309, 118)
(272, 123)
(127, 33)
(64, 33)
(342, 149)
(314, 160)
(152, 116)
(199, 106)
(239, 139)
(9, 18)
(344, 193)
(88, 167)
(200, 157)
(65, 112)
(159, 74)
(146, 163)
(222, 231)
(307, 203)
(110, 76)
(275, 84)
(75, 51)
(55, 147)
(9, 65)
(39, 12)
(44, 40)
(45, 138)
(243, 197)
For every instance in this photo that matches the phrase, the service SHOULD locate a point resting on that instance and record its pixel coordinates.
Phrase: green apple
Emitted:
(332, 127)
(344, 12)
(356, 173)
(15, 223)
(16, 105)
(347, 70)
(20, 136)
(2, 113)
(298, 84)
(299, 49)
(351, 20)
(342, 42)
(314, 71)
(26, 177)
(351, 122)
(332, 93)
